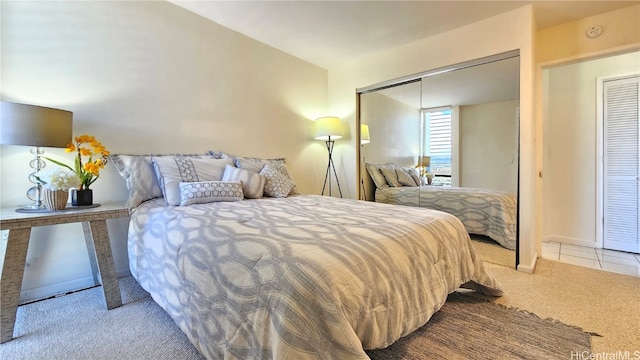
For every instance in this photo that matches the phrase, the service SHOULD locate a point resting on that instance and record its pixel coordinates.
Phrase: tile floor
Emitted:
(608, 260)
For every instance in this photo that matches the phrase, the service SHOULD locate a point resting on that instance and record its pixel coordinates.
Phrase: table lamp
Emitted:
(36, 126)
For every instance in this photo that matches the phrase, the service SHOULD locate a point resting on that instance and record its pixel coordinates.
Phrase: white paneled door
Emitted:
(621, 164)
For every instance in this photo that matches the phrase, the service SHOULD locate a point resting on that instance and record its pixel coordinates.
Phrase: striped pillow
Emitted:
(252, 183)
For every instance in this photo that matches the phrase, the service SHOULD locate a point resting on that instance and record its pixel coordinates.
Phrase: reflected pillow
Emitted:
(414, 174)
(389, 172)
(404, 178)
(376, 175)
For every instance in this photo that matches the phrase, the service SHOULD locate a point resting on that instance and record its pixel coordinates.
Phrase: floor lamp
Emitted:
(329, 129)
(36, 126)
(364, 139)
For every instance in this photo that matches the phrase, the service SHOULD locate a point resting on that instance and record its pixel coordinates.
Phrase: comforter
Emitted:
(305, 277)
(482, 211)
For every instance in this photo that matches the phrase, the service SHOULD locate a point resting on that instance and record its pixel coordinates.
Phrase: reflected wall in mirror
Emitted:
(465, 122)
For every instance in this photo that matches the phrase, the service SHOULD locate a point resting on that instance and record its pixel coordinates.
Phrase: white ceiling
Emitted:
(480, 84)
(329, 32)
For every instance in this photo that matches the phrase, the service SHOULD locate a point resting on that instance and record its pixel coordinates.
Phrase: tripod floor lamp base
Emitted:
(330, 168)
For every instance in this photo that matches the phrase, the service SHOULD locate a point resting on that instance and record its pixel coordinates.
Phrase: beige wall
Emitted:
(620, 28)
(394, 129)
(570, 138)
(148, 77)
(506, 32)
(488, 146)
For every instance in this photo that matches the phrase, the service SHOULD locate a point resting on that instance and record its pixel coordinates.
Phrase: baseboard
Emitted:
(47, 291)
(530, 268)
(569, 240)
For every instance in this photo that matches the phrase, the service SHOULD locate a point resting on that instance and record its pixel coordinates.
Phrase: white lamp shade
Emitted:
(31, 125)
(328, 128)
(364, 134)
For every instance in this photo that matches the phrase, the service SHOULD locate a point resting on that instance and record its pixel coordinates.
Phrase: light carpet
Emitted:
(492, 252)
(77, 326)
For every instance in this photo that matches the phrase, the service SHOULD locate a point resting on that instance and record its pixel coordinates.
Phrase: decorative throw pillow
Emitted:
(389, 172)
(140, 177)
(414, 174)
(255, 164)
(203, 192)
(171, 171)
(221, 155)
(376, 176)
(277, 182)
(252, 183)
(404, 178)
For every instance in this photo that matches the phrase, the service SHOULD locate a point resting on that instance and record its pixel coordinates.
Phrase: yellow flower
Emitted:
(92, 168)
(85, 139)
(87, 171)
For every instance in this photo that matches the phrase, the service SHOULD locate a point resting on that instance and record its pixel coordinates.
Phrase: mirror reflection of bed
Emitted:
(449, 142)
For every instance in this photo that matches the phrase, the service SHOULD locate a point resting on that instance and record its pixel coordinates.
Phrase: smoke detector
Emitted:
(594, 31)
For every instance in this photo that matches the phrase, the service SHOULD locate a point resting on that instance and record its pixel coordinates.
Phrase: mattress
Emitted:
(303, 277)
(482, 211)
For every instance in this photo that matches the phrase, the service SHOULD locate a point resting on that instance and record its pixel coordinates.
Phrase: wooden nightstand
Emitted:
(96, 236)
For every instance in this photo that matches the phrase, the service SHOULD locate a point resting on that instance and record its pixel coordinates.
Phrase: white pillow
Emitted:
(203, 192)
(252, 183)
(277, 181)
(171, 171)
(140, 177)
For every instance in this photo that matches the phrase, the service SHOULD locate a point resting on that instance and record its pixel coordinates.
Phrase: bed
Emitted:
(299, 276)
(485, 212)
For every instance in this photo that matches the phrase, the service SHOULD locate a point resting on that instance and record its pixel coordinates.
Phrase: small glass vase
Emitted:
(81, 197)
(55, 199)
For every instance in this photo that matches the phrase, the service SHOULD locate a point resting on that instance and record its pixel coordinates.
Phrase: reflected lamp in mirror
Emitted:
(424, 163)
(36, 126)
(328, 128)
(364, 134)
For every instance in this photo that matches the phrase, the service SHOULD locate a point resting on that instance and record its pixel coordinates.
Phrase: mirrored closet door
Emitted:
(448, 140)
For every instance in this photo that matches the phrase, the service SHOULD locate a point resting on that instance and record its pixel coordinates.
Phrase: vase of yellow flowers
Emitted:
(91, 157)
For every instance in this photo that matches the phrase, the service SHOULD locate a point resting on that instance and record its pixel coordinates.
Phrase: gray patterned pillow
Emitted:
(140, 177)
(252, 184)
(277, 182)
(171, 171)
(389, 172)
(221, 155)
(203, 192)
(376, 175)
(255, 164)
(404, 178)
(414, 174)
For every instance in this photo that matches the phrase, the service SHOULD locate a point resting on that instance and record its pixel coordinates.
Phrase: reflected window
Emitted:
(437, 140)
